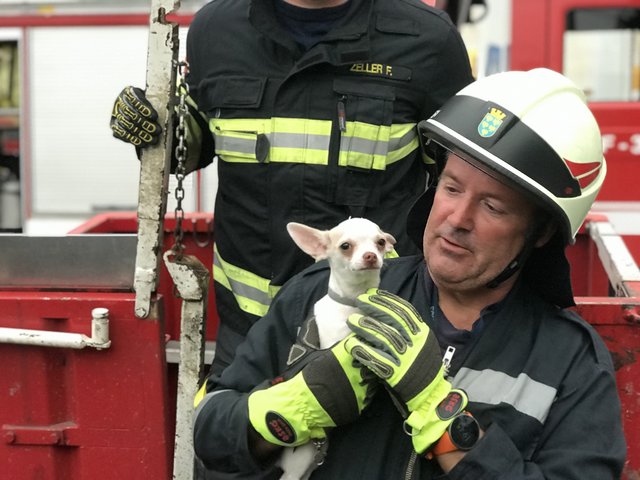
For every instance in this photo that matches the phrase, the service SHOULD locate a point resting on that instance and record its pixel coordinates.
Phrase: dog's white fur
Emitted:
(355, 250)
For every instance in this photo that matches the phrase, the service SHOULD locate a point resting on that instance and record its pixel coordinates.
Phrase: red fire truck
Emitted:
(96, 382)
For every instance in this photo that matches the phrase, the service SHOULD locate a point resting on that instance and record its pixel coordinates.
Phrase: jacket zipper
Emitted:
(411, 465)
(447, 358)
(446, 361)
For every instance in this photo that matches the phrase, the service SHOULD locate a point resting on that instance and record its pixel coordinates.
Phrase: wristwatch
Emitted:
(462, 434)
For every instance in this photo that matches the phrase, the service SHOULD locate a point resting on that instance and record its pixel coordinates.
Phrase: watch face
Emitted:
(464, 432)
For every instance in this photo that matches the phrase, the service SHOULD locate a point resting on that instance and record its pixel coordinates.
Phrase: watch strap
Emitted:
(446, 444)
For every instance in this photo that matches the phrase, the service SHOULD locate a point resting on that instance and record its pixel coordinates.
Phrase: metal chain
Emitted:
(181, 156)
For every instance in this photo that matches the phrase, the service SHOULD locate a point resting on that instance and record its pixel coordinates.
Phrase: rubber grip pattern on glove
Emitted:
(380, 299)
(133, 119)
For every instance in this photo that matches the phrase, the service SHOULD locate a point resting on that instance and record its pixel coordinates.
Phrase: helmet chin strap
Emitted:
(511, 269)
(519, 260)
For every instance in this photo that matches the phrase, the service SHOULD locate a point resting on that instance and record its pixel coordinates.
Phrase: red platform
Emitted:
(88, 414)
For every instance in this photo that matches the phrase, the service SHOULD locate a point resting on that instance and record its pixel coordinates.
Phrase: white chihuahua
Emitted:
(355, 250)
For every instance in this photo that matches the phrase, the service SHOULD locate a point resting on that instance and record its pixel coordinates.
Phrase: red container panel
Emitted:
(80, 414)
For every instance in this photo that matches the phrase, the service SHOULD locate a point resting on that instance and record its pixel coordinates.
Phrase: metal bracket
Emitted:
(44, 435)
(41, 338)
(155, 161)
(191, 279)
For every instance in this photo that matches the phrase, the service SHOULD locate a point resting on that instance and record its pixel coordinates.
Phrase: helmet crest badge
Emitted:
(490, 123)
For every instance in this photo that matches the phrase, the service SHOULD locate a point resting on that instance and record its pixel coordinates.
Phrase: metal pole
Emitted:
(155, 162)
(191, 279)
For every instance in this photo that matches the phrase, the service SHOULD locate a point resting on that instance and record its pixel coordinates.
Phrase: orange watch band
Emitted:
(466, 431)
(444, 445)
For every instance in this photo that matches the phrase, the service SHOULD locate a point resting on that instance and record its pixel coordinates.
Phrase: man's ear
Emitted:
(547, 230)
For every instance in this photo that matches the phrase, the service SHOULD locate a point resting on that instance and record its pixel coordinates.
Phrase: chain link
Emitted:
(181, 156)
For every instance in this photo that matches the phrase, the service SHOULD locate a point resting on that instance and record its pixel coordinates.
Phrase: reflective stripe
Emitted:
(391, 254)
(403, 141)
(374, 147)
(252, 292)
(526, 395)
(290, 140)
(202, 398)
(200, 395)
(298, 140)
(236, 144)
(364, 145)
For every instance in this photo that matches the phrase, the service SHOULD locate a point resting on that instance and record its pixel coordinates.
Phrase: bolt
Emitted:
(630, 314)
(9, 437)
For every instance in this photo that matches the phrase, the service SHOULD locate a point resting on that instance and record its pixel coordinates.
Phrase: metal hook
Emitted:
(205, 239)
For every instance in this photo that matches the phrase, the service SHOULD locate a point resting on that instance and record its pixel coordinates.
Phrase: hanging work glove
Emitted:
(395, 343)
(329, 391)
(133, 119)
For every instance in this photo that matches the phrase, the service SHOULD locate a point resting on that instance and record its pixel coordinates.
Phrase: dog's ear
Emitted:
(391, 241)
(311, 241)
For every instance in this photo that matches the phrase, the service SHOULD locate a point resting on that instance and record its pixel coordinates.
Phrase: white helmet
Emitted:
(535, 129)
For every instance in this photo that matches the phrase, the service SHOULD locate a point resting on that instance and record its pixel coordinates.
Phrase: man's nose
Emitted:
(462, 214)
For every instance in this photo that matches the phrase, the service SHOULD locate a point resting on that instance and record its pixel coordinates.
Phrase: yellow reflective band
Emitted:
(252, 292)
(200, 395)
(290, 140)
(363, 145)
(299, 140)
(403, 141)
(391, 254)
(374, 147)
(428, 160)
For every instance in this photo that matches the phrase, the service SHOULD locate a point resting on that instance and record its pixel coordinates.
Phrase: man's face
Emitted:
(477, 225)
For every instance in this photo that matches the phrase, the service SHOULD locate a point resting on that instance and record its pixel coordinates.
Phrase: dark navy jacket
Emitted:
(539, 378)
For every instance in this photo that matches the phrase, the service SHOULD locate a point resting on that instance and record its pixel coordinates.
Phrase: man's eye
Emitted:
(493, 208)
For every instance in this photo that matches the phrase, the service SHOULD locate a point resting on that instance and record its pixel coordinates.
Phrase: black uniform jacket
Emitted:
(539, 378)
(313, 136)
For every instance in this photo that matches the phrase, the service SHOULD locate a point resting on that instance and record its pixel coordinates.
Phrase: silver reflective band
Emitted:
(247, 144)
(526, 395)
(363, 145)
(395, 143)
(243, 289)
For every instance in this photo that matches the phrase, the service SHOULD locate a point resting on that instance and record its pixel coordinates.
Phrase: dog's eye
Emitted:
(345, 246)
(382, 242)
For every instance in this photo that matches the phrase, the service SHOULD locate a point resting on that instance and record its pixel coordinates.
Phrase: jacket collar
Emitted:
(352, 30)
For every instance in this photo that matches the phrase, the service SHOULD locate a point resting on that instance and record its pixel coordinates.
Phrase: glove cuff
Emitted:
(286, 414)
(430, 419)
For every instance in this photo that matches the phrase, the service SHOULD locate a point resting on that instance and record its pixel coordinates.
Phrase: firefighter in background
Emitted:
(486, 373)
(311, 109)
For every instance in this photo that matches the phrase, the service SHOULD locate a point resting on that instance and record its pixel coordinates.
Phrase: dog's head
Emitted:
(354, 245)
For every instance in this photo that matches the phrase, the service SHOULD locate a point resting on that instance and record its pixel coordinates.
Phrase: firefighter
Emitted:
(311, 109)
(486, 373)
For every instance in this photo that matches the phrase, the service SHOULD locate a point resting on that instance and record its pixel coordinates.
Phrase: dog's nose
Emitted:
(370, 258)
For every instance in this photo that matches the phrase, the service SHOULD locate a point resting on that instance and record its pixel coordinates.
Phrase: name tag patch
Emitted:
(382, 70)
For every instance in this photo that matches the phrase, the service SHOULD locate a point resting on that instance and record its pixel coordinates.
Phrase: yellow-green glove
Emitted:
(395, 343)
(329, 391)
(133, 119)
